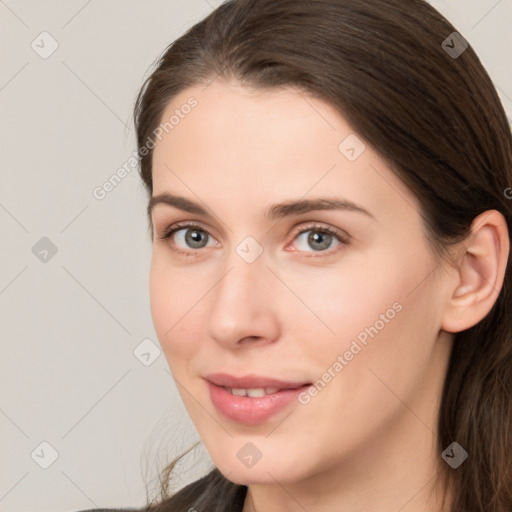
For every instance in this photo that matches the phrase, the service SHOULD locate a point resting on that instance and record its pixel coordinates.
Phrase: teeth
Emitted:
(253, 393)
(238, 392)
(256, 393)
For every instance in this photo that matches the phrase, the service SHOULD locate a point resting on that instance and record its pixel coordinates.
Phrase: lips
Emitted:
(252, 382)
(252, 400)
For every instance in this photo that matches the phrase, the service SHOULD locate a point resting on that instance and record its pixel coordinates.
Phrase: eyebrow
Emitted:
(276, 211)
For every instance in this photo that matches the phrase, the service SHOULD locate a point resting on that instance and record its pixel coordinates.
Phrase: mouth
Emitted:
(252, 400)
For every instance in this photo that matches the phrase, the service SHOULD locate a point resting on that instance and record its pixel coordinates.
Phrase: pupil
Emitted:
(194, 236)
(317, 237)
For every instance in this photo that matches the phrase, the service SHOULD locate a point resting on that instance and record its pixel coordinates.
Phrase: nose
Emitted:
(244, 305)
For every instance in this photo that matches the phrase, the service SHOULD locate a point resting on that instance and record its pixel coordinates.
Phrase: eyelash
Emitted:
(343, 239)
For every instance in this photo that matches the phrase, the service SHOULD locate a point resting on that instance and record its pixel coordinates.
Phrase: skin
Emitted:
(367, 441)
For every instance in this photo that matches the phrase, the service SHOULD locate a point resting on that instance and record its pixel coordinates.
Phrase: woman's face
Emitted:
(270, 283)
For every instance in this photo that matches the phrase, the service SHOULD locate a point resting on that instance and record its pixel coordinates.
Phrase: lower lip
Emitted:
(248, 410)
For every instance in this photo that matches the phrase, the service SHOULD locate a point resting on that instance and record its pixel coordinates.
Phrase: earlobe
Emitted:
(480, 273)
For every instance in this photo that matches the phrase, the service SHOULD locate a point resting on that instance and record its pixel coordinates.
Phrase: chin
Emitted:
(252, 476)
(262, 472)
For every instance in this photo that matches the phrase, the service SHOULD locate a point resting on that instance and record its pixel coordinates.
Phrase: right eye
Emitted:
(187, 237)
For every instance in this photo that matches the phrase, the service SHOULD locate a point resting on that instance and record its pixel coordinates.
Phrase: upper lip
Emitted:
(251, 382)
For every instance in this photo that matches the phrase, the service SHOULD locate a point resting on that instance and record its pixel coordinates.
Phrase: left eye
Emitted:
(193, 237)
(319, 239)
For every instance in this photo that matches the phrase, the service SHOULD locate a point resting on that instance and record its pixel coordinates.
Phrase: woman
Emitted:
(330, 212)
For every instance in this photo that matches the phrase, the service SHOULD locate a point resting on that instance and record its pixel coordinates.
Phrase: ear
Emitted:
(479, 271)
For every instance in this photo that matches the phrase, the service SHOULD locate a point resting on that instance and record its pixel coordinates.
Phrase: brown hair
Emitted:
(437, 121)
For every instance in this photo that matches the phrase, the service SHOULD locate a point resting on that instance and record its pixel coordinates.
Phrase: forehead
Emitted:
(246, 124)
(268, 145)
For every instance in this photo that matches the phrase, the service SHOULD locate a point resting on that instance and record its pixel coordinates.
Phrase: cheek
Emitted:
(349, 297)
(387, 376)
(387, 335)
(383, 303)
(174, 299)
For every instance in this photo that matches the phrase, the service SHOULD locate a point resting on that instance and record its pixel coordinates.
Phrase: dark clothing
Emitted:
(211, 493)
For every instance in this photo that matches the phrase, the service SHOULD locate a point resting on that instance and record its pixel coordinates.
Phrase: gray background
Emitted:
(70, 324)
